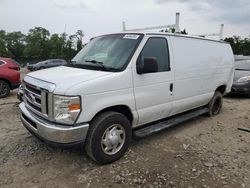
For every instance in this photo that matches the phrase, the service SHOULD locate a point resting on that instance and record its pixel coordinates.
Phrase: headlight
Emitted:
(66, 109)
(244, 79)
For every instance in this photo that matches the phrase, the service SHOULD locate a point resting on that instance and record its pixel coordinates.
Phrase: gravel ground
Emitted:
(203, 152)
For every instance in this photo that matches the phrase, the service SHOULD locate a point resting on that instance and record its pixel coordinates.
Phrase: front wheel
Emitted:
(109, 137)
(4, 89)
(215, 104)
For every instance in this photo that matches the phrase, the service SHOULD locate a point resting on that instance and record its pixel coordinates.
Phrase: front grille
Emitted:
(33, 89)
(36, 99)
(33, 106)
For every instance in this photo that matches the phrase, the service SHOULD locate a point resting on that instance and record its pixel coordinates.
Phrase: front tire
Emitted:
(4, 89)
(109, 137)
(215, 104)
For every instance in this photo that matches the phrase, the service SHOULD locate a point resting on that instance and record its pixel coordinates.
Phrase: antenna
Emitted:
(175, 26)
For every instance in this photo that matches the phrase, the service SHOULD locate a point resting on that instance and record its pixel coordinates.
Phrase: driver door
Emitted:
(154, 91)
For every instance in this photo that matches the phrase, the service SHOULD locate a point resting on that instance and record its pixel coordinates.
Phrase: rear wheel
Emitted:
(4, 89)
(215, 104)
(109, 137)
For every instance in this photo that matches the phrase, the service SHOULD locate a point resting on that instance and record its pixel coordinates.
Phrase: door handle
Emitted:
(171, 87)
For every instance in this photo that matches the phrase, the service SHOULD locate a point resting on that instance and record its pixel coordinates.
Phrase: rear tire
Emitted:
(4, 89)
(109, 137)
(215, 104)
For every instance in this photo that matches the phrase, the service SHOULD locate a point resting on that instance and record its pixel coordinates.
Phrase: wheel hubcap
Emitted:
(113, 139)
(3, 89)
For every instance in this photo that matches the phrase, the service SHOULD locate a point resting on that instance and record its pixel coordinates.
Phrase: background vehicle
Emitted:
(241, 84)
(47, 64)
(30, 66)
(123, 84)
(9, 76)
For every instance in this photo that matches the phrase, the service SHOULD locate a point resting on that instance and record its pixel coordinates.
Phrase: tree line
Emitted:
(39, 44)
(240, 46)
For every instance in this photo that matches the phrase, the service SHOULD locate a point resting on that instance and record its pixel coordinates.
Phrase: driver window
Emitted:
(157, 48)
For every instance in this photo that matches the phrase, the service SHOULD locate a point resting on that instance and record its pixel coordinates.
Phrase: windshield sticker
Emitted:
(129, 36)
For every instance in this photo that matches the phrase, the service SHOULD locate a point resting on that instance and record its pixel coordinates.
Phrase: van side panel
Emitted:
(200, 67)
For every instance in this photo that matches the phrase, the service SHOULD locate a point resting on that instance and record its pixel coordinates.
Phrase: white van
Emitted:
(123, 84)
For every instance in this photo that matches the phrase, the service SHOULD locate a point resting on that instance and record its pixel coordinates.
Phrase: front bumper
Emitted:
(53, 133)
(20, 95)
(241, 88)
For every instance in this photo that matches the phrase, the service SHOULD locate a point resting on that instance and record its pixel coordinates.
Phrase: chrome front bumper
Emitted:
(52, 132)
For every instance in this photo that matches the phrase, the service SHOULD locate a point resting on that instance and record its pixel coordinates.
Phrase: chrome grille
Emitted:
(38, 96)
(36, 99)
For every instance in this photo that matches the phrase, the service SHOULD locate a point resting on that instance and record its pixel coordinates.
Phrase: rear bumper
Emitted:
(241, 88)
(53, 134)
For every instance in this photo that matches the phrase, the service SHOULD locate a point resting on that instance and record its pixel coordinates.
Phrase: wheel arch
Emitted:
(6, 81)
(221, 89)
(123, 109)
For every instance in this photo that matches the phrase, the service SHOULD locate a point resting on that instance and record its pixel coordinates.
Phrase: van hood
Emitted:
(65, 77)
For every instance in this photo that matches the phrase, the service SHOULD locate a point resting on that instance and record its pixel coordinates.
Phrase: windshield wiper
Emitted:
(70, 63)
(99, 63)
(242, 69)
(76, 65)
(84, 65)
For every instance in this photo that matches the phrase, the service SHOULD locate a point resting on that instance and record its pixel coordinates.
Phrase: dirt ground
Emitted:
(201, 153)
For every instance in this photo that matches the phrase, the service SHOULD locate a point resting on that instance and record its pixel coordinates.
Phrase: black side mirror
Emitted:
(147, 65)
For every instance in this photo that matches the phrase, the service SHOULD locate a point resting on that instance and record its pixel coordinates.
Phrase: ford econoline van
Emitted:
(126, 84)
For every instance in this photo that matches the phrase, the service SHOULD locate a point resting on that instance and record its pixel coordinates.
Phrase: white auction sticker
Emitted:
(130, 36)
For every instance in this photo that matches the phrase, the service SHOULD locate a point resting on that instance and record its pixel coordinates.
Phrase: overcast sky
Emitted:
(97, 17)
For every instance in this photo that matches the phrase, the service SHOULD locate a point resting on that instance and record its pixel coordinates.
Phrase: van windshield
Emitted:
(108, 52)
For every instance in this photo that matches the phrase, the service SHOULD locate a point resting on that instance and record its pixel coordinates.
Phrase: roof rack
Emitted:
(220, 34)
(175, 26)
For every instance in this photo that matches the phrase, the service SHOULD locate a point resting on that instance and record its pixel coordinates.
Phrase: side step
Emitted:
(161, 125)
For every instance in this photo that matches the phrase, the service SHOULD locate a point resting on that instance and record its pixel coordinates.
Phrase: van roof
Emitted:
(171, 34)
